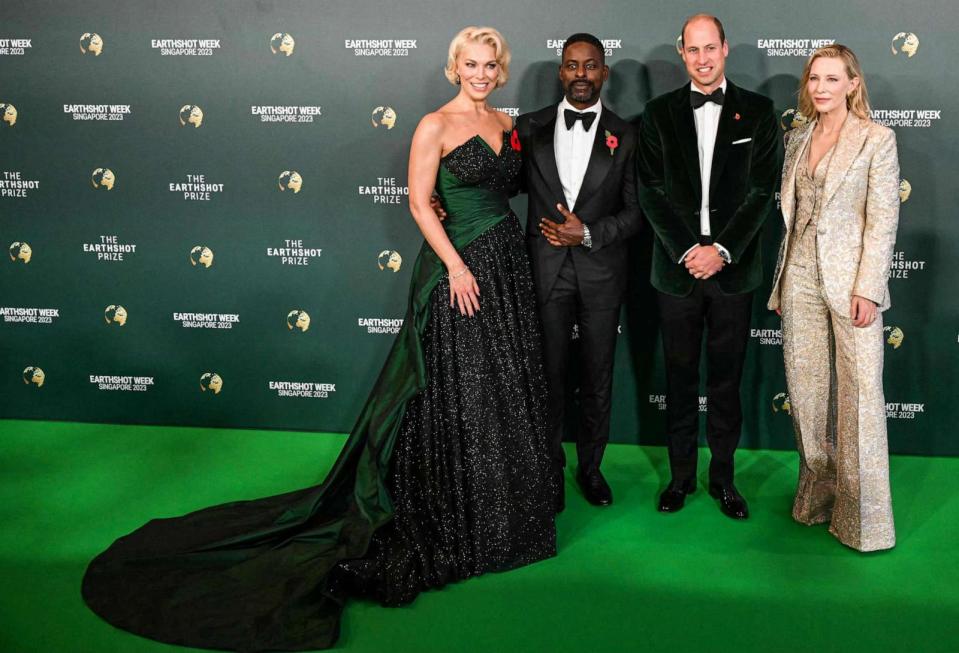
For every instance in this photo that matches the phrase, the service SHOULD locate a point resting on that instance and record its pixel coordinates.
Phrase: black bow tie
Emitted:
(698, 99)
(572, 116)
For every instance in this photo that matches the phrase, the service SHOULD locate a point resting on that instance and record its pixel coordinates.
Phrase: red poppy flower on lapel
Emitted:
(611, 142)
(736, 117)
(514, 141)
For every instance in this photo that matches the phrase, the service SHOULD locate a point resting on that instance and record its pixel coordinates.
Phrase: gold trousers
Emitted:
(834, 379)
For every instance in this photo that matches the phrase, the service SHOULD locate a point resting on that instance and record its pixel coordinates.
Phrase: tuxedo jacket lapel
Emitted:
(727, 118)
(600, 161)
(544, 155)
(684, 128)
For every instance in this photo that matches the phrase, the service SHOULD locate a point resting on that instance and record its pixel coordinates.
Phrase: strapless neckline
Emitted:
(477, 137)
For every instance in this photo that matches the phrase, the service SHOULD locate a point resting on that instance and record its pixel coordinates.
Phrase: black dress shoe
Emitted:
(731, 502)
(673, 497)
(595, 488)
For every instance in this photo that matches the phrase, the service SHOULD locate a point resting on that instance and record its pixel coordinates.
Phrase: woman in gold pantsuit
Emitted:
(840, 203)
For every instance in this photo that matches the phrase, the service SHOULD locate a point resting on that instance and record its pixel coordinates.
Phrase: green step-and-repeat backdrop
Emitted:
(203, 205)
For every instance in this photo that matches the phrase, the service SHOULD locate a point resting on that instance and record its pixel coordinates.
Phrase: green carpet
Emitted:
(626, 579)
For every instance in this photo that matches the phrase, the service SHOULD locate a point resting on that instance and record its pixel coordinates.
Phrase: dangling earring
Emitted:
(457, 80)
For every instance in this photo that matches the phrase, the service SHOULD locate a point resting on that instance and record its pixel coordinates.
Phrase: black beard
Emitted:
(581, 94)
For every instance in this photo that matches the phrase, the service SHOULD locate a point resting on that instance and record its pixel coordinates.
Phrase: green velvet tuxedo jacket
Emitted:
(741, 191)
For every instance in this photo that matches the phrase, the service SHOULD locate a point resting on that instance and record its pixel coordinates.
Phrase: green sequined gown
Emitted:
(444, 476)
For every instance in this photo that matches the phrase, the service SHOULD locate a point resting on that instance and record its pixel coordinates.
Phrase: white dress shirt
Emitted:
(572, 148)
(706, 119)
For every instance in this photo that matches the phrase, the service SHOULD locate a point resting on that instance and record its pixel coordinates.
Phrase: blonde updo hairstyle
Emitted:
(487, 36)
(857, 101)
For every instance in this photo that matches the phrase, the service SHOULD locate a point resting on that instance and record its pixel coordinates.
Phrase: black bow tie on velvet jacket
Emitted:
(698, 99)
(572, 116)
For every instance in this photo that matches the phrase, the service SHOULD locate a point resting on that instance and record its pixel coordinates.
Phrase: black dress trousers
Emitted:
(597, 343)
(725, 321)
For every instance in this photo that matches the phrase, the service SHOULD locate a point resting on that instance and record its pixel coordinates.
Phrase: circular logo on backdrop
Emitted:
(894, 336)
(290, 179)
(298, 319)
(385, 116)
(388, 259)
(115, 314)
(191, 114)
(91, 42)
(905, 42)
(20, 252)
(103, 178)
(781, 404)
(201, 255)
(34, 375)
(792, 119)
(905, 190)
(282, 42)
(211, 381)
(9, 113)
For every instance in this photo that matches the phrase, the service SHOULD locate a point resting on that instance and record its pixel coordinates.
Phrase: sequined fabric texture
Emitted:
(475, 163)
(833, 369)
(470, 479)
(444, 476)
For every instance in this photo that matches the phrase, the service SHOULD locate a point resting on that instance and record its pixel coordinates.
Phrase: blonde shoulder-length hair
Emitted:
(857, 101)
(486, 35)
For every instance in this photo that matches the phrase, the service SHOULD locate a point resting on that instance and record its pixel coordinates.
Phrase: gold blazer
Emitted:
(858, 217)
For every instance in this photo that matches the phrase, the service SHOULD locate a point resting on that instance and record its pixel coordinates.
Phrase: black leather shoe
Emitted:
(595, 488)
(673, 497)
(731, 502)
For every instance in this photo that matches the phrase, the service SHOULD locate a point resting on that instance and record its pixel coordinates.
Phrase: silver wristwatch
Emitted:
(587, 238)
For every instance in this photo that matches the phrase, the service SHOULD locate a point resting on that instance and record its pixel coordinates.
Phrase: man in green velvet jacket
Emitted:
(707, 168)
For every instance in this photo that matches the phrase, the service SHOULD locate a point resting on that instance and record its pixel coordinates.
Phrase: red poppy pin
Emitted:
(514, 141)
(611, 142)
(736, 117)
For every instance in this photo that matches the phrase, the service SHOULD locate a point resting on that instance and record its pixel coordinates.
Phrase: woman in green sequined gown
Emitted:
(445, 474)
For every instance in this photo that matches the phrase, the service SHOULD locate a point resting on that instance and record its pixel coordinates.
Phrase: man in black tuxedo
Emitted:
(707, 170)
(579, 173)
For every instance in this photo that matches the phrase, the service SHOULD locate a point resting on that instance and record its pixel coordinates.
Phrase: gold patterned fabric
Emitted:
(809, 192)
(841, 222)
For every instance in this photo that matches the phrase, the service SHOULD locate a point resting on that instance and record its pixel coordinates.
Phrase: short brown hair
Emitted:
(718, 23)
